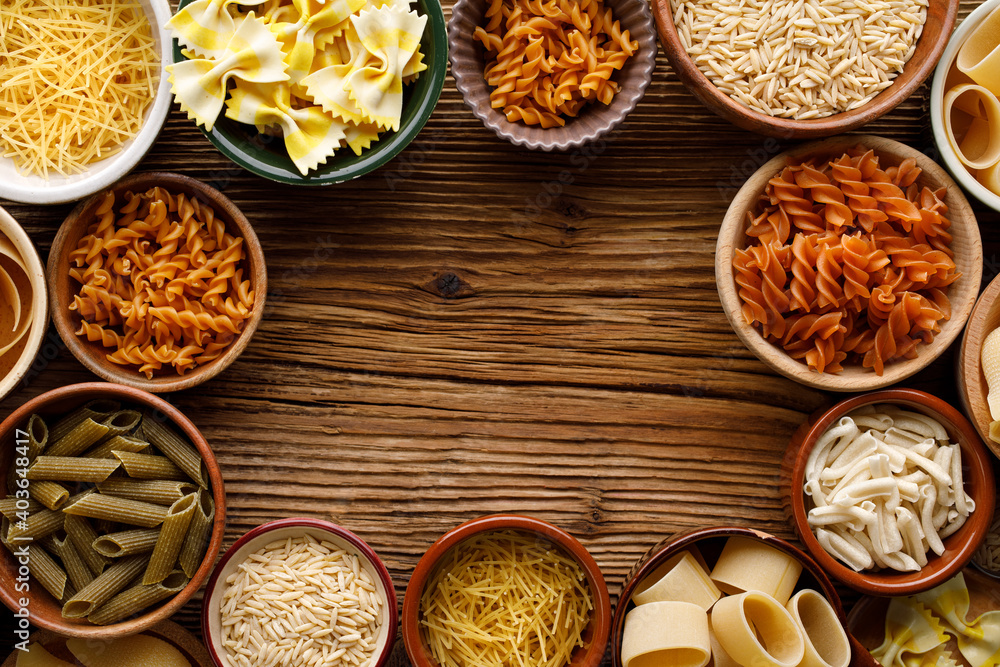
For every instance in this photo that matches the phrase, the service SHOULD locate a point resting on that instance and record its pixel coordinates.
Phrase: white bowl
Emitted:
(948, 156)
(59, 189)
(39, 302)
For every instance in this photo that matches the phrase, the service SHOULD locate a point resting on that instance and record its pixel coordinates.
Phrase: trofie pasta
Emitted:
(546, 59)
(849, 261)
(161, 282)
(108, 551)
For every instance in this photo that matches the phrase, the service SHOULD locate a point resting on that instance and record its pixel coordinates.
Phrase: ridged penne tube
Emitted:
(135, 599)
(10, 506)
(38, 436)
(82, 534)
(193, 550)
(122, 422)
(145, 466)
(176, 449)
(156, 491)
(79, 574)
(122, 510)
(36, 526)
(48, 573)
(172, 535)
(104, 587)
(98, 410)
(86, 434)
(121, 443)
(71, 469)
(127, 542)
(49, 494)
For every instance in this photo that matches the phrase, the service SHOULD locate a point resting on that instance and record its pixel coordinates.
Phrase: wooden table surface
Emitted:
(476, 328)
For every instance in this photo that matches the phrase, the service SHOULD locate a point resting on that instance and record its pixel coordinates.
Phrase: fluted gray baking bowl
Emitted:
(595, 121)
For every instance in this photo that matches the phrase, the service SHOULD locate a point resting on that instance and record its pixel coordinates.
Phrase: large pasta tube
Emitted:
(681, 579)
(755, 630)
(666, 633)
(750, 565)
(127, 542)
(193, 550)
(172, 534)
(979, 56)
(104, 587)
(82, 437)
(976, 101)
(97, 410)
(826, 643)
(50, 494)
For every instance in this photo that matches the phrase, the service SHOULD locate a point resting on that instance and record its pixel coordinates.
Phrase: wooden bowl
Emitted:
(211, 617)
(168, 631)
(596, 634)
(13, 370)
(93, 355)
(937, 28)
(45, 611)
(977, 473)
(972, 386)
(966, 244)
(595, 121)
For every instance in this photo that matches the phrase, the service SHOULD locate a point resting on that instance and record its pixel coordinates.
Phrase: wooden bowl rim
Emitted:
(257, 534)
(90, 354)
(962, 293)
(960, 547)
(971, 381)
(601, 621)
(784, 128)
(81, 393)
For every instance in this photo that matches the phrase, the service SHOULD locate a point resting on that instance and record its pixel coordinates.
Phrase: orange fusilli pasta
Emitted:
(546, 59)
(849, 262)
(161, 282)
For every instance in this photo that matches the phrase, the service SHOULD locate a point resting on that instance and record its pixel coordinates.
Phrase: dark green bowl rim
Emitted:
(423, 94)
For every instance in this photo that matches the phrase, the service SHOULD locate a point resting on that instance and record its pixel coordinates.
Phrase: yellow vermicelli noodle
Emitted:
(503, 599)
(77, 77)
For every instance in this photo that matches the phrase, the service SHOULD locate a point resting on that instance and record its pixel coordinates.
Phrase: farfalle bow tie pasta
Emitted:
(323, 73)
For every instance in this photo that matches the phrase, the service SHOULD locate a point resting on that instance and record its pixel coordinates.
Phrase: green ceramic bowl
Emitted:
(265, 156)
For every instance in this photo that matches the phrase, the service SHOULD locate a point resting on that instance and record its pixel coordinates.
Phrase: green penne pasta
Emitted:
(79, 574)
(104, 587)
(122, 422)
(50, 494)
(48, 573)
(145, 466)
(122, 443)
(98, 410)
(11, 506)
(36, 526)
(158, 492)
(82, 535)
(172, 534)
(193, 549)
(121, 510)
(127, 542)
(135, 599)
(176, 449)
(4, 530)
(86, 434)
(71, 469)
(38, 436)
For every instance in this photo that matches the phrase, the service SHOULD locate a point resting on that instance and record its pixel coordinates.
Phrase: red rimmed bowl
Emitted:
(977, 475)
(211, 617)
(710, 542)
(45, 611)
(596, 634)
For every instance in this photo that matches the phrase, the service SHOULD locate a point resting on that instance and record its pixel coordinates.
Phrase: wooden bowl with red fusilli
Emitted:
(849, 264)
(157, 283)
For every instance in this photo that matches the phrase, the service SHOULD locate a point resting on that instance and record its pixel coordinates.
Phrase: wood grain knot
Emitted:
(450, 286)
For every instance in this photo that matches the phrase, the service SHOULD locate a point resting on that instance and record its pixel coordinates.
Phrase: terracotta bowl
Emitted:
(977, 473)
(45, 611)
(940, 20)
(12, 370)
(710, 542)
(596, 634)
(211, 617)
(972, 386)
(597, 120)
(966, 244)
(93, 355)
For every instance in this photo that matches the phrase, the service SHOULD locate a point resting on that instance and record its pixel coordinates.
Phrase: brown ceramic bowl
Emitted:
(940, 20)
(45, 611)
(966, 244)
(596, 635)
(972, 387)
(710, 542)
(93, 355)
(596, 120)
(258, 538)
(977, 473)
